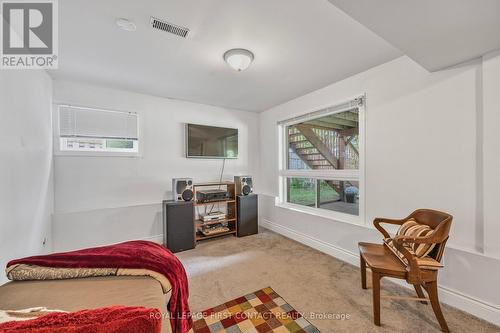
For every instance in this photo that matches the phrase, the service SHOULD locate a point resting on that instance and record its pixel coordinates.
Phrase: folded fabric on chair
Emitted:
(116, 319)
(130, 258)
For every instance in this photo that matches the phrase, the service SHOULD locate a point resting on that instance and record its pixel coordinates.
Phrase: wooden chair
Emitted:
(383, 262)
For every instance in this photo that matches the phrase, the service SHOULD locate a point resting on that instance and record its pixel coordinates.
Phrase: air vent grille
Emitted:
(163, 25)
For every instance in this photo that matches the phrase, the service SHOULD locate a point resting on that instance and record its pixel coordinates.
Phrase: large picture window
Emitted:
(321, 169)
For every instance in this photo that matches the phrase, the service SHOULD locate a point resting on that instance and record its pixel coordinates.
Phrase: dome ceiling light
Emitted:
(238, 59)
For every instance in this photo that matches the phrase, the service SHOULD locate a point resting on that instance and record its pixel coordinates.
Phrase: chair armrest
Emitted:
(378, 220)
(414, 272)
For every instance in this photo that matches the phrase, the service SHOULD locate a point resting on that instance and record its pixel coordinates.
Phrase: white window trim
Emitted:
(358, 175)
(56, 138)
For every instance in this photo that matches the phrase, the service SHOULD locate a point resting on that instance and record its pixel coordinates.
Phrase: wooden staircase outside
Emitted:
(325, 144)
(322, 149)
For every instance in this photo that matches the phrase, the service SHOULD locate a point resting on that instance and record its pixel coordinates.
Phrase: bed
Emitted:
(86, 293)
(129, 274)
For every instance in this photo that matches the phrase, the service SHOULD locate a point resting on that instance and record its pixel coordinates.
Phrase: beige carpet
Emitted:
(223, 269)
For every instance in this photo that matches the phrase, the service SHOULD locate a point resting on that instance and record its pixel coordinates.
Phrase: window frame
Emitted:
(57, 135)
(324, 174)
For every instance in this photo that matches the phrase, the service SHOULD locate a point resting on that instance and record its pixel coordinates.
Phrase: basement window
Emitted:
(321, 166)
(96, 132)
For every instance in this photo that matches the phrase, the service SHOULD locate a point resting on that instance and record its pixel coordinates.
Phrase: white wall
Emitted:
(423, 131)
(101, 200)
(491, 152)
(26, 184)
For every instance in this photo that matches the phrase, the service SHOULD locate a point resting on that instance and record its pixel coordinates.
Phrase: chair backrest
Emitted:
(440, 222)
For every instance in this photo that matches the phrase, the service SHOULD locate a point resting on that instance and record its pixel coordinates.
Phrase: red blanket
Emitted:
(117, 319)
(134, 254)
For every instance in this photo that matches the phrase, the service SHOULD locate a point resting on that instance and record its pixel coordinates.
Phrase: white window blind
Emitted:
(91, 123)
(84, 130)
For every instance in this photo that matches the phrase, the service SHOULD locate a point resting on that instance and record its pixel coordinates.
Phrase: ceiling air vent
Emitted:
(169, 27)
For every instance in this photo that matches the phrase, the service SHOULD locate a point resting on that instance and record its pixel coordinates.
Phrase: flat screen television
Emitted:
(211, 142)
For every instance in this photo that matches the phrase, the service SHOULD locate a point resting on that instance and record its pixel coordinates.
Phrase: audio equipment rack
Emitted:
(229, 205)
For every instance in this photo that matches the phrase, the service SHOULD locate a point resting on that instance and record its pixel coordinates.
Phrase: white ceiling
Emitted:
(299, 46)
(435, 33)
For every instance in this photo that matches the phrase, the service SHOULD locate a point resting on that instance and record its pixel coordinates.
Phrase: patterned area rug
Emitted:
(259, 312)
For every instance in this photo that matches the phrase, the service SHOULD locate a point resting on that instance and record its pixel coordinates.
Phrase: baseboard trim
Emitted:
(156, 239)
(334, 251)
(474, 306)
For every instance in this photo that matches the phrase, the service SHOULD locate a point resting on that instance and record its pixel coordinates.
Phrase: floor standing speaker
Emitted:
(178, 225)
(248, 215)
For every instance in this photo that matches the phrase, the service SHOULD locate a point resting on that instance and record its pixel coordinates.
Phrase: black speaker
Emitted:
(248, 214)
(244, 185)
(178, 225)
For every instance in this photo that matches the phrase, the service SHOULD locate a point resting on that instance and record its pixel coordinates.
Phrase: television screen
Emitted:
(211, 142)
